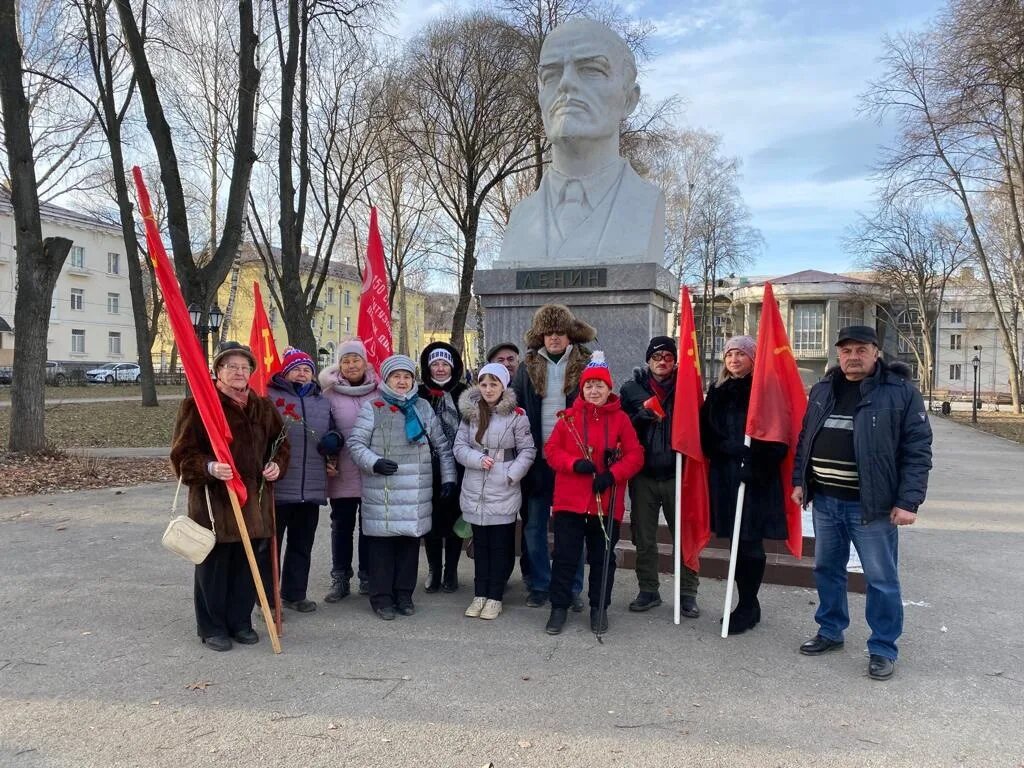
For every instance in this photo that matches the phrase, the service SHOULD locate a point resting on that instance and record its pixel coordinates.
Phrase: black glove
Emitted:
(603, 482)
(746, 472)
(385, 467)
(645, 415)
(448, 490)
(331, 443)
(583, 467)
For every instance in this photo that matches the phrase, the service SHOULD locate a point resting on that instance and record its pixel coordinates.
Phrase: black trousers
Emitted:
(572, 531)
(298, 522)
(393, 565)
(524, 559)
(224, 591)
(441, 539)
(494, 556)
(344, 512)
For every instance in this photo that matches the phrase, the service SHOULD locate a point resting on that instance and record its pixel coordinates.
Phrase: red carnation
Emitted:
(279, 402)
(394, 409)
(378, 403)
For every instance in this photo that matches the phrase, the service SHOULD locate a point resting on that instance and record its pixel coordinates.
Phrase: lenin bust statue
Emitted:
(591, 206)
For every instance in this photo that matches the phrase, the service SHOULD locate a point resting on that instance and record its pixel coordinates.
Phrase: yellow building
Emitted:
(440, 308)
(334, 321)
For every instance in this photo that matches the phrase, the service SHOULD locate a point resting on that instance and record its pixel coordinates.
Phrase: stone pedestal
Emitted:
(626, 303)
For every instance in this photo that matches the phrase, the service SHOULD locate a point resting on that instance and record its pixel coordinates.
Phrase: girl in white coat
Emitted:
(495, 446)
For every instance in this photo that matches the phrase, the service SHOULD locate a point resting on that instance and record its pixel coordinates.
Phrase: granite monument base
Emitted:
(626, 303)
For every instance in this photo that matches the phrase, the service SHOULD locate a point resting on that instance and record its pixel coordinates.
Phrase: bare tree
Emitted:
(913, 254)
(200, 279)
(465, 110)
(39, 261)
(956, 92)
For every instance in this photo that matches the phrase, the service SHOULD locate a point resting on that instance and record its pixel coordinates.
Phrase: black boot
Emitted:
(556, 621)
(433, 547)
(452, 553)
(340, 587)
(747, 613)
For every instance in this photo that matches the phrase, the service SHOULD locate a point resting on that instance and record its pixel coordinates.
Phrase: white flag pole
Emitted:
(733, 550)
(677, 546)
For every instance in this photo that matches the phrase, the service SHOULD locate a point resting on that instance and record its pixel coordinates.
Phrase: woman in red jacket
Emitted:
(593, 452)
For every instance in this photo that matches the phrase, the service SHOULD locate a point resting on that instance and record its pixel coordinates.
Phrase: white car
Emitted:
(112, 372)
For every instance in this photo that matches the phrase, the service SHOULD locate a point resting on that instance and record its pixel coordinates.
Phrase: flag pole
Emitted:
(677, 545)
(734, 550)
(243, 532)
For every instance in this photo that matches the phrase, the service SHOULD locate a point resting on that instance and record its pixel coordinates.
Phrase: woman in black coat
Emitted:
(723, 419)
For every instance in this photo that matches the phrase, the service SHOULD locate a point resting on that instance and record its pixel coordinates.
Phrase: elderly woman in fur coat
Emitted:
(495, 446)
(547, 382)
(224, 589)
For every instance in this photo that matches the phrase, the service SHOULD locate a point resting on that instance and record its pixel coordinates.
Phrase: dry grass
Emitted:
(104, 425)
(126, 391)
(1002, 423)
(60, 472)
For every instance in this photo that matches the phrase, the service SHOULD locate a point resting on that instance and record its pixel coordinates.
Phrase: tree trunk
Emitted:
(465, 282)
(39, 261)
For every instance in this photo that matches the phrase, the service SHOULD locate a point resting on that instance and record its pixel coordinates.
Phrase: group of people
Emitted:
(544, 439)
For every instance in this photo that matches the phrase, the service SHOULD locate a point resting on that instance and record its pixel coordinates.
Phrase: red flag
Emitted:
(696, 519)
(193, 359)
(261, 342)
(374, 325)
(777, 403)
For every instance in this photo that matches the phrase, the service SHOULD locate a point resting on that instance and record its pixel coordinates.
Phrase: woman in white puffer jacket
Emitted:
(495, 446)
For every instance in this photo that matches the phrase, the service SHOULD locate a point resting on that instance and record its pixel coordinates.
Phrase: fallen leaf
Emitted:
(199, 686)
(525, 744)
(526, 677)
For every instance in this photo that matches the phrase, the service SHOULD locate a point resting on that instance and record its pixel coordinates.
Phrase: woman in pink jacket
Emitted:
(347, 386)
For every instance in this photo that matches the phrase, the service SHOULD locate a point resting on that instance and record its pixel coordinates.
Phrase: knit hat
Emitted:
(352, 347)
(497, 370)
(442, 354)
(743, 343)
(556, 318)
(597, 368)
(228, 348)
(661, 344)
(397, 363)
(293, 358)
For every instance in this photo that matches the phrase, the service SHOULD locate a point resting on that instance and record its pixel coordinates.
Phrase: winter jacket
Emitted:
(255, 429)
(398, 504)
(529, 384)
(723, 425)
(307, 472)
(346, 401)
(603, 429)
(892, 440)
(654, 435)
(493, 497)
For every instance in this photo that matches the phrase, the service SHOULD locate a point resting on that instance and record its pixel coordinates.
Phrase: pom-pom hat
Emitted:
(293, 358)
(597, 368)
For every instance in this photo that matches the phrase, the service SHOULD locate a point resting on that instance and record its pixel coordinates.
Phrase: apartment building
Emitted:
(91, 311)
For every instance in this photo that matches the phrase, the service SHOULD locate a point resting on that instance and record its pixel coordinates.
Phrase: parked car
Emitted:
(56, 375)
(111, 372)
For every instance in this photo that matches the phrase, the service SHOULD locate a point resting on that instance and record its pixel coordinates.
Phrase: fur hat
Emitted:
(497, 370)
(556, 318)
(597, 368)
(293, 358)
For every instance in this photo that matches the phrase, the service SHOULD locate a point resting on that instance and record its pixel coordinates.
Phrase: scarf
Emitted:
(304, 390)
(240, 399)
(662, 389)
(414, 429)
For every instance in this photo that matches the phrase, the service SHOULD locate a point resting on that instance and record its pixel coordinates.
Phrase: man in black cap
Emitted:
(648, 398)
(506, 354)
(864, 454)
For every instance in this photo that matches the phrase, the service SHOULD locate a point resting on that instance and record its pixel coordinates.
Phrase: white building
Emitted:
(91, 311)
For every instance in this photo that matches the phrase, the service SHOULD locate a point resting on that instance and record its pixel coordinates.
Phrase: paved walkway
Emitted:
(101, 666)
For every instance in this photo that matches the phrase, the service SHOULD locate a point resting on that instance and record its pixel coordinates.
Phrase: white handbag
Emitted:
(187, 538)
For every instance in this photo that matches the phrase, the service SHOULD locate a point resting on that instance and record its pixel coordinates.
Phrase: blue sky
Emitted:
(779, 81)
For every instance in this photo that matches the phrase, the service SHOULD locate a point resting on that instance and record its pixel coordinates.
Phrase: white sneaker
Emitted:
(476, 607)
(492, 609)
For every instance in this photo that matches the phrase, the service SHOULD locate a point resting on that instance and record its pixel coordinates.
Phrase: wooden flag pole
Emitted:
(734, 550)
(243, 531)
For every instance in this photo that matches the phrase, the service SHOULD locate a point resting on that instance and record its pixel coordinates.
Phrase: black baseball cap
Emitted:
(498, 347)
(862, 333)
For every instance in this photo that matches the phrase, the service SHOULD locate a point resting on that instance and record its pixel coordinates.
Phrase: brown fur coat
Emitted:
(254, 428)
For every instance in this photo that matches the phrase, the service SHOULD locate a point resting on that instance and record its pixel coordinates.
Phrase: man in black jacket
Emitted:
(864, 454)
(653, 490)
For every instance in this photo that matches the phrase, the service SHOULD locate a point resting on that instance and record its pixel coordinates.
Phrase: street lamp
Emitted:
(213, 321)
(976, 361)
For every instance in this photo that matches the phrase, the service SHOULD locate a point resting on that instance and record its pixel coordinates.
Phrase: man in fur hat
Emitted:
(546, 383)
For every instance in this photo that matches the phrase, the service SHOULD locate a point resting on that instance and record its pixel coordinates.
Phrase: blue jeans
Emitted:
(537, 515)
(836, 524)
